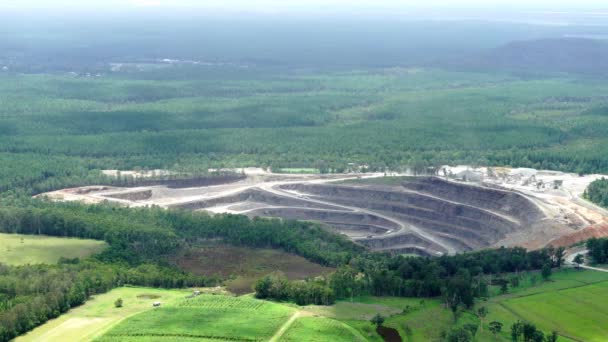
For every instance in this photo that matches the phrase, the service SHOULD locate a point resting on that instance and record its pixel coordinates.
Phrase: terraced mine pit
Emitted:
(433, 215)
(415, 215)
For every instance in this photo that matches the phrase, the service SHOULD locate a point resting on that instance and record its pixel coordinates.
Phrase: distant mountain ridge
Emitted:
(569, 55)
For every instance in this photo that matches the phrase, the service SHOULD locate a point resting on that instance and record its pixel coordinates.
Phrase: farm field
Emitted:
(580, 313)
(417, 319)
(220, 317)
(17, 249)
(541, 303)
(311, 329)
(236, 318)
(567, 304)
(177, 317)
(99, 314)
(246, 318)
(531, 282)
(261, 320)
(226, 318)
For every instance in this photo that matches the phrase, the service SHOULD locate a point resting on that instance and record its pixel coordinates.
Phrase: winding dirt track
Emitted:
(402, 226)
(283, 329)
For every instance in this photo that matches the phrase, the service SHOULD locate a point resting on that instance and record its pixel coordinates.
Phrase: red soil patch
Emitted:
(598, 231)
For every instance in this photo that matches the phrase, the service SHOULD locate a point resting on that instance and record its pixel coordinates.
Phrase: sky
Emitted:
(545, 12)
(283, 5)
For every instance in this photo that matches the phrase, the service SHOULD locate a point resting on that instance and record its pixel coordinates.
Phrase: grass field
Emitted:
(16, 249)
(219, 317)
(560, 279)
(216, 317)
(354, 311)
(581, 313)
(415, 319)
(572, 303)
(97, 315)
(313, 329)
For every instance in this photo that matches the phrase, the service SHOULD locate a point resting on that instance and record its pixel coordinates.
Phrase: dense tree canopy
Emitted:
(598, 250)
(597, 192)
(60, 131)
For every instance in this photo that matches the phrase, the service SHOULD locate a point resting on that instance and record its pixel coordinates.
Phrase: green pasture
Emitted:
(17, 249)
(99, 314)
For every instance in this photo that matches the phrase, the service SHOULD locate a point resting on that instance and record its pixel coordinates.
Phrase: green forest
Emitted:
(597, 192)
(59, 130)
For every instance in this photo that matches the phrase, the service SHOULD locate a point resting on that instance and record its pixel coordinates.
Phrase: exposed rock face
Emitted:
(423, 215)
(461, 216)
(343, 220)
(252, 195)
(505, 202)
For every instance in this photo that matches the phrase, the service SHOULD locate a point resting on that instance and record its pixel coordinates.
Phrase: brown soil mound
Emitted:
(598, 231)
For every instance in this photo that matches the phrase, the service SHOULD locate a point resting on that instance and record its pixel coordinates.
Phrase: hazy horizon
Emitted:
(265, 5)
(337, 33)
(544, 12)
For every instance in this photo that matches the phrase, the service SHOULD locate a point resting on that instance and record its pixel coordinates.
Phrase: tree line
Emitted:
(597, 192)
(31, 295)
(598, 250)
(520, 332)
(457, 279)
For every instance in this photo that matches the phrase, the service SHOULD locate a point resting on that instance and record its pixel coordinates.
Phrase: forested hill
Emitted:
(559, 55)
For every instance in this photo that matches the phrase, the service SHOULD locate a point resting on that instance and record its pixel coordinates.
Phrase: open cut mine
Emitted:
(422, 215)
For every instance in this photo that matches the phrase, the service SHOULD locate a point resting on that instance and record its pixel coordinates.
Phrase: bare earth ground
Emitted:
(461, 209)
